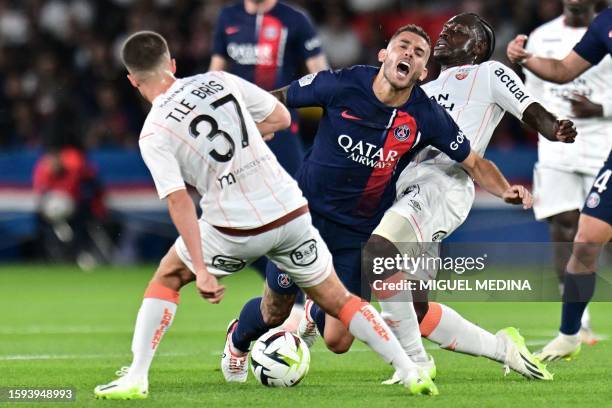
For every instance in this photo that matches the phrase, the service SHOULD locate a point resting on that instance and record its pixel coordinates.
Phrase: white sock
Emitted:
(446, 327)
(585, 322)
(399, 314)
(364, 322)
(154, 318)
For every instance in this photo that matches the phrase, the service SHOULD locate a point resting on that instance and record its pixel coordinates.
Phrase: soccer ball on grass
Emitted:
(280, 359)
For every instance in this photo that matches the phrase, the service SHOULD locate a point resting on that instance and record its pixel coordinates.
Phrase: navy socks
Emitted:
(250, 325)
(579, 289)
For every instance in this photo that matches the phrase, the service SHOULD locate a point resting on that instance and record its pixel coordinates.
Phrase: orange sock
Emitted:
(159, 291)
(431, 319)
(349, 309)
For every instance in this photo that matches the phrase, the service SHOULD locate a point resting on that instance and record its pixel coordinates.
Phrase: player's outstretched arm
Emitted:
(548, 125)
(549, 69)
(488, 176)
(183, 214)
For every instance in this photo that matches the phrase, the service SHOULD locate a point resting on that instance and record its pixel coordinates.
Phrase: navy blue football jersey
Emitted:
(265, 49)
(597, 41)
(362, 145)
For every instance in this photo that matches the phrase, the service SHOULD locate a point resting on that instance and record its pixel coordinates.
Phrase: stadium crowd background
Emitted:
(59, 58)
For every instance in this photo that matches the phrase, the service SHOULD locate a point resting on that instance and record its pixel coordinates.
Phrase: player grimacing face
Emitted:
(404, 60)
(459, 42)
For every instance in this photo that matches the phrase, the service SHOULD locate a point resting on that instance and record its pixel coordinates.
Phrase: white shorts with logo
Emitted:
(435, 200)
(556, 191)
(296, 248)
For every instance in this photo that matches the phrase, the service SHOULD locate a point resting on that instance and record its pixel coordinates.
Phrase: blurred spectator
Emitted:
(51, 50)
(71, 209)
(72, 215)
(110, 126)
(341, 45)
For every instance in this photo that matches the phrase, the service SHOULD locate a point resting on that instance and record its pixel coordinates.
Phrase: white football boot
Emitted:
(307, 330)
(428, 367)
(123, 388)
(519, 358)
(563, 347)
(234, 365)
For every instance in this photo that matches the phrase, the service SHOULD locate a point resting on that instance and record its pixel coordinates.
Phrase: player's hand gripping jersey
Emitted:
(202, 132)
(434, 193)
(362, 145)
(555, 40)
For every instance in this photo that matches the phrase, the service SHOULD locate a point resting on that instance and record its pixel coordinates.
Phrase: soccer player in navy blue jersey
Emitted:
(266, 42)
(374, 121)
(594, 229)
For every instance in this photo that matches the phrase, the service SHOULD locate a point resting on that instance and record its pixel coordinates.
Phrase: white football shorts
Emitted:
(556, 191)
(296, 248)
(434, 200)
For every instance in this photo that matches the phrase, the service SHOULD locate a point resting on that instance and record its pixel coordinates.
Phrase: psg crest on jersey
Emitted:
(401, 133)
(270, 33)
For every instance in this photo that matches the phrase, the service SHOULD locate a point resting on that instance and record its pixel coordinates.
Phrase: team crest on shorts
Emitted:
(305, 254)
(227, 263)
(402, 132)
(284, 280)
(438, 236)
(593, 200)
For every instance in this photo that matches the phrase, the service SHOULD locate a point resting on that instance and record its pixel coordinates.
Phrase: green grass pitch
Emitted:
(63, 327)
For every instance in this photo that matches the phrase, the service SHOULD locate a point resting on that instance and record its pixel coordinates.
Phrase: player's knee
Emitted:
(564, 225)
(586, 236)
(339, 345)
(586, 248)
(172, 272)
(421, 309)
(378, 246)
(376, 249)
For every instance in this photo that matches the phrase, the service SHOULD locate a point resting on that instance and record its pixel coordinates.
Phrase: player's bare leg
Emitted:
(563, 228)
(592, 234)
(155, 316)
(258, 316)
(364, 323)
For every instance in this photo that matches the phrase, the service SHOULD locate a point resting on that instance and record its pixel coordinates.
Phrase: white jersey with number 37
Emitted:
(202, 132)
